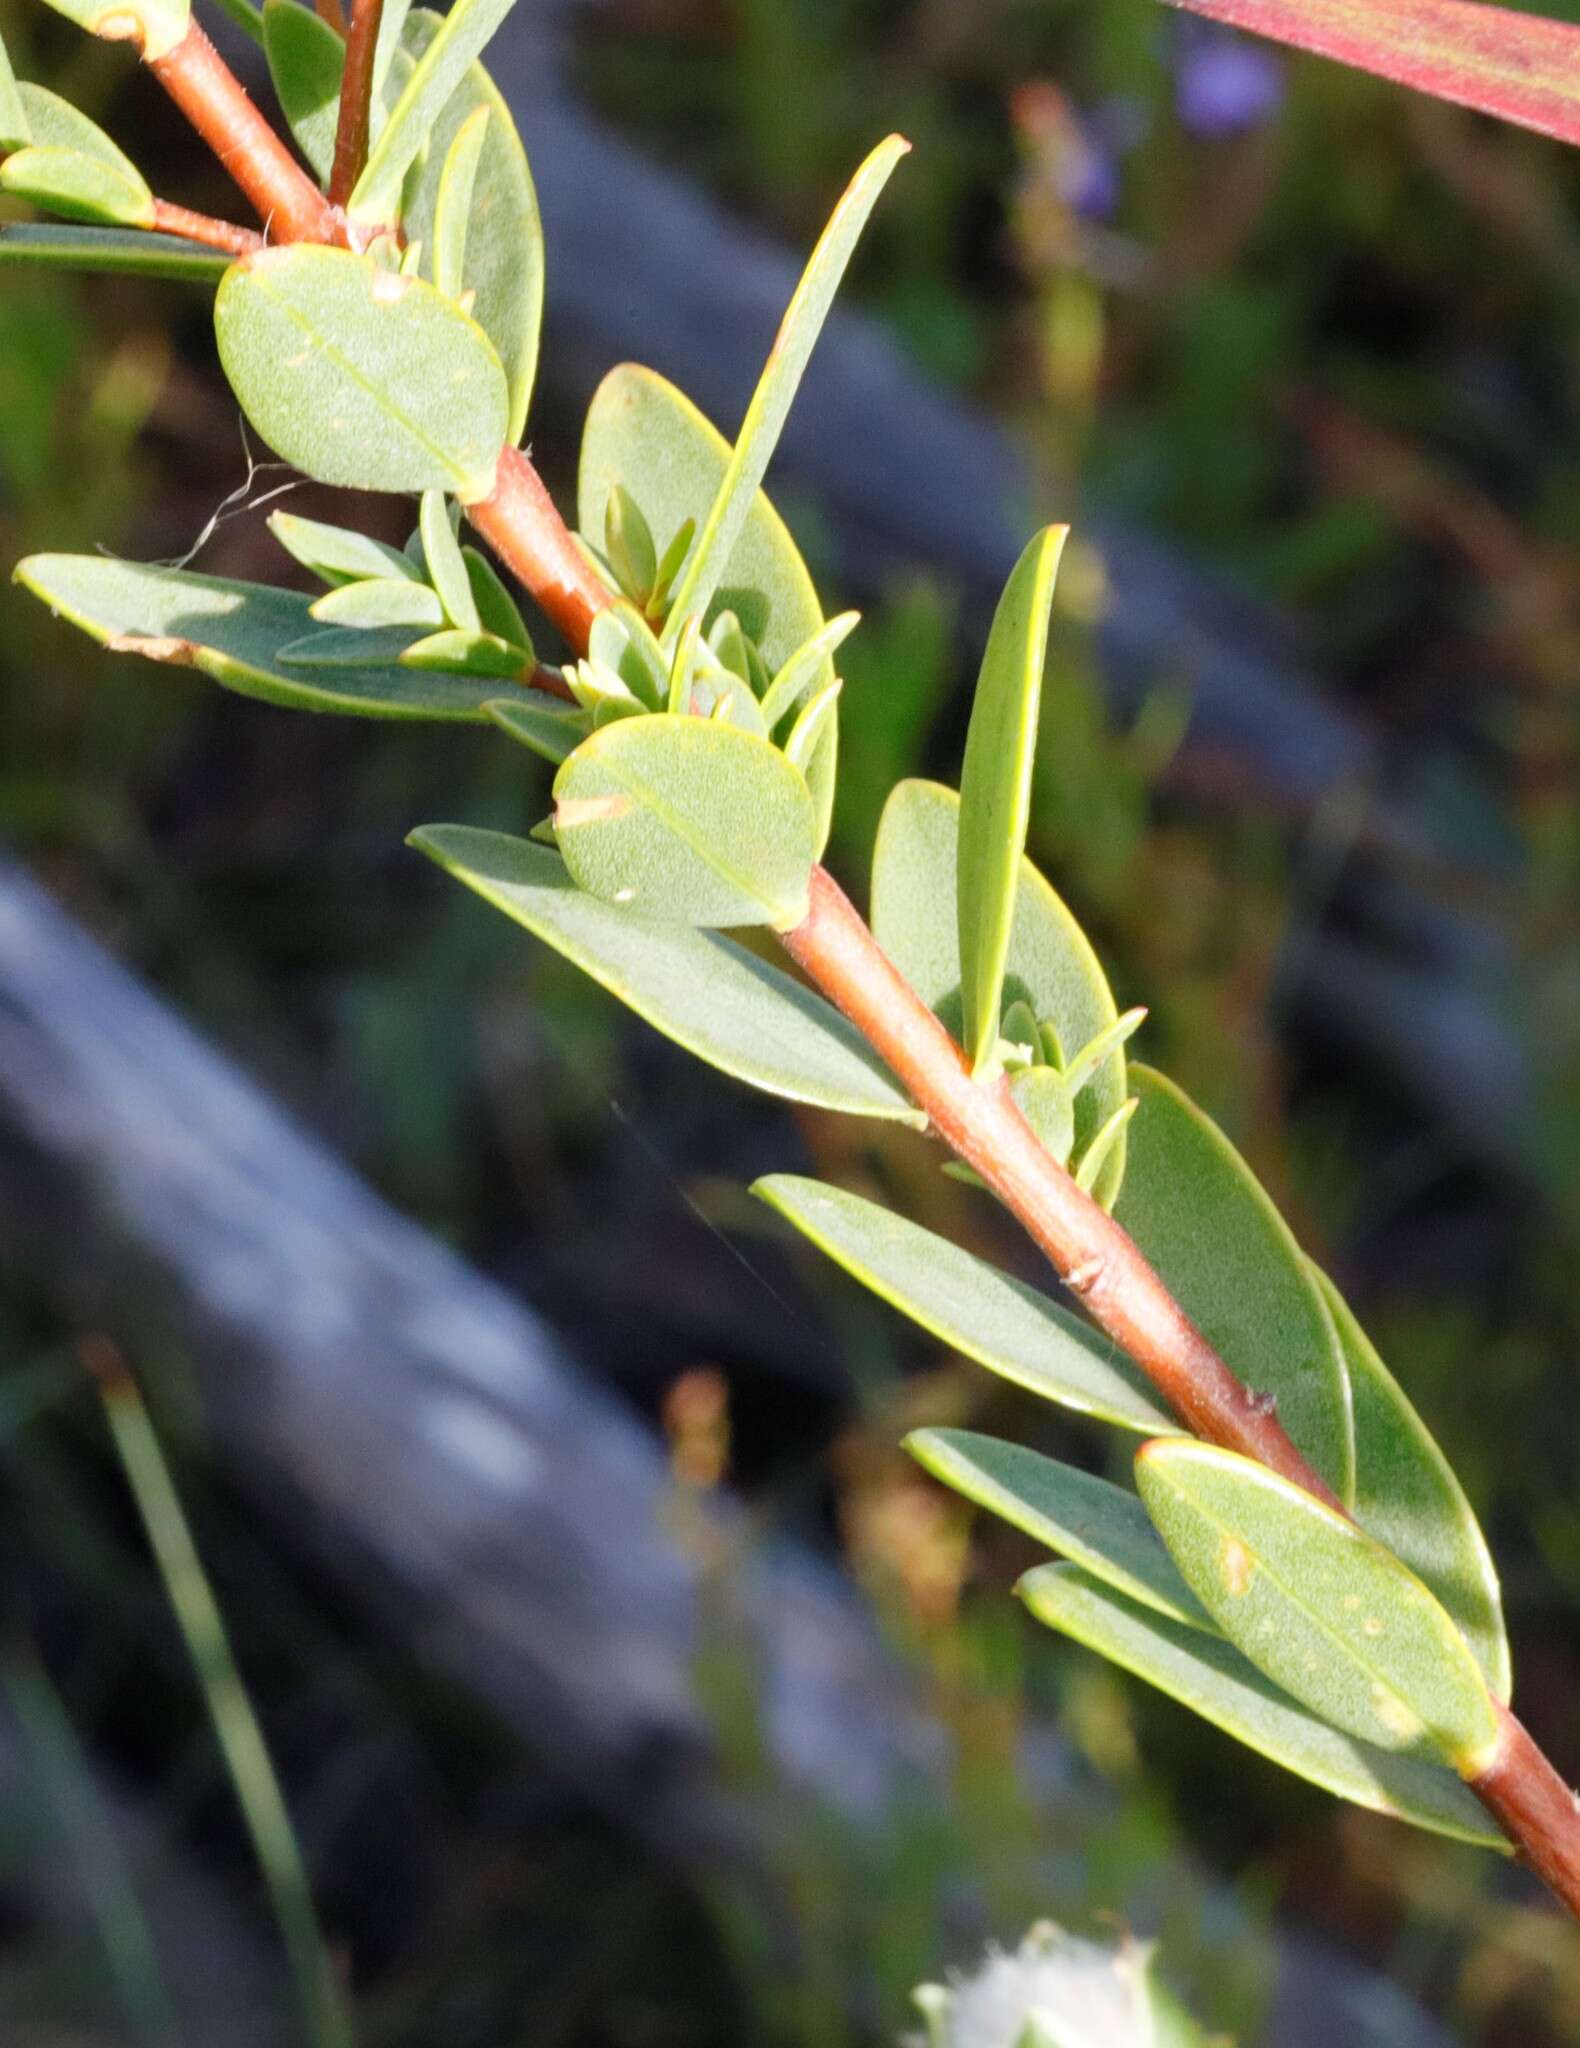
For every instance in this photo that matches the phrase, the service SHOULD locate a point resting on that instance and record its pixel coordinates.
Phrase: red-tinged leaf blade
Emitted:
(1518, 66)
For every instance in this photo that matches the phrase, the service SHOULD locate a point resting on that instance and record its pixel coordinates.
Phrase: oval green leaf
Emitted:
(1088, 1520)
(1213, 1679)
(702, 990)
(1406, 1495)
(687, 819)
(1203, 1220)
(306, 59)
(339, 554)
(78, 187)
(379, 601)
(358, 376)
(995, 789)
(1050, 963)
(963, 1301)
(496, 608)
(1317, 1604)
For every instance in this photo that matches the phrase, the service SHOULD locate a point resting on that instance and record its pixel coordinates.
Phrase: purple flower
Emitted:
(1224, 84)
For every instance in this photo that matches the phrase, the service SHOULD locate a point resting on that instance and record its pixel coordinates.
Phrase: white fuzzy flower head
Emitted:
(1054, 1991)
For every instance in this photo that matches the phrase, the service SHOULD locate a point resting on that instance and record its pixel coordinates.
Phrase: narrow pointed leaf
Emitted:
(806, 734)
(1318, 1604)
(496, 608)
(643, 433)
(628, 544)
(995, 788)
(338, 554)
(1497, 59)
(118, 252)
(78, 187)
(236, 634)
(822, 779)
(1090, 1521)
(1213, 1679)
(1095, 1158)
(453, 203)
(458, 652)
(540, 722)
(360, 377)
(801, 673)
(446, 564)
(1050, 965)
(698, 988)
(379, 601)
(466, 29)
(156, 26)
(1406, 1496)
(349, 647)
(14, 130)
(306, 60)
(1000, 1322)
(392, 36)
(687, 819)
(781, 379)
(1228, 1257)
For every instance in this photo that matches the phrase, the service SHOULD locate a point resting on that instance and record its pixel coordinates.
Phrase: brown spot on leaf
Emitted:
(154, 647)
(1237, 1566)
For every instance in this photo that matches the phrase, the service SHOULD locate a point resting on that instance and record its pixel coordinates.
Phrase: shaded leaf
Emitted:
(78, 187)
(235, 633)
(995, 788)
(446, 564)
(1227, 1256)
(14, 130)
(687, 819)
(1042, 1095)
(306, 60)
(702, 990)
(1406, 1496)
(452, 207)
(120, 252)
(1213, 1679)
(1051, 966)
(1090, 1521)
(1318, 1604)
(540, 722)
(358, 376)
(54, 123)
(413, 120)
(496, 608)
(1003, 1324)
(628, 544)
(155, 25)
(349, 647)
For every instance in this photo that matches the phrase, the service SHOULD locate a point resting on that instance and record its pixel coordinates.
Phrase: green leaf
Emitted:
(338, 554)
(1211, 1677)
(453, 202)
(462, 36)
(628, 544)
(342, 647)
(360, 377)
(379, 601)
(1042, 1095)
(446, 564)
(504, 236)
(643, 433)
(55, 123)
(1092, 1522)
(14, 130)
(770, 406)
(78, 187)
(995, 789)
(702, 990)
(390, 45)
(1406, 1496)
(802, 672)
(119, 252)
(156, 26)
(461, 653)
(496, 608)
(806, 735)
(542, 723)
(1050, 966)
(234, 632)
(686, 819)
(1227, 1256)
(1003, 1324)
(623, 643)
(822, 777)
(306, 60)
(1097, 1155)
(1318, 1604)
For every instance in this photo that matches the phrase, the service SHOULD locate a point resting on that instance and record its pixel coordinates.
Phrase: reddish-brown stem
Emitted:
(356, 99)
(1538, 1812)
(214, 100)
(202, 227)
(332, 15)
(520, 523)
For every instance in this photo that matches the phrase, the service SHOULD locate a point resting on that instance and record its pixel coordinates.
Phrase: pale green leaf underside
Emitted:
(1000, 1322)
(78, 187)
(1095, 1524)
(1317, 1604)
(1050, 965)
(1406, 1495)
(359, 377)
(1211, 1677)
(120, 252)
(688, 819)
(234, 632)
(702, 990)
(643, 433)
(995, 788)
(1227, 1256)
(781, 379)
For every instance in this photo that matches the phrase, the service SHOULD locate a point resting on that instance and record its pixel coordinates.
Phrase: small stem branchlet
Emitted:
(356, 99)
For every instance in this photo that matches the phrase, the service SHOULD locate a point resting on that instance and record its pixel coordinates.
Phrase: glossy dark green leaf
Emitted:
(1050, 966)
(995, 789)
(1318, 1605)
(14, 130)
(1227, 1256)
(496, 608)
(78, 187)
(687, 819)
(235, 633)
(413, 120)
(698, 988)
(1003, 1324)
(1406, 1496)
(306, 60)
(119, 252)
(361, 377)
(338, 554)
(1212, 1678)
(541, 722)
(380, 601)
(1090, 1521)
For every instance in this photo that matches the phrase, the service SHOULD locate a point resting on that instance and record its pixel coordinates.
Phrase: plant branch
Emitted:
(520, 523)
(214, 100)
(356, 99)
(170, 219)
